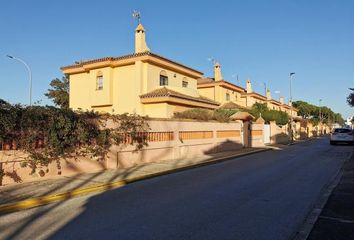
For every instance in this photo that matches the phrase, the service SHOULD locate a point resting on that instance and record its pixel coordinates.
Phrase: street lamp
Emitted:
(291, 106)
(320, 115)
(29, 74)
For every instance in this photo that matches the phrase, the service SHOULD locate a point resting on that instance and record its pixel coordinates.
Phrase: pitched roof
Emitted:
(255, 94)
(208, 82)
(275, 102)
(260, 120)
(165, 92)
(147, 53)
(242, 116)
(205, 80)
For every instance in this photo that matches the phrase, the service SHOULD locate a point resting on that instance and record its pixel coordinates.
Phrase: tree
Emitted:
(306, 110)
(316, 114)
(350, 99)
(59, 92)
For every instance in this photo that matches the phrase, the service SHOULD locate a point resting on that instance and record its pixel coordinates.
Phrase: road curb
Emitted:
(47, 199)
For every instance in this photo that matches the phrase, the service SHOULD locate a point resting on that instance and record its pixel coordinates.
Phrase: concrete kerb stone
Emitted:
(44, 200)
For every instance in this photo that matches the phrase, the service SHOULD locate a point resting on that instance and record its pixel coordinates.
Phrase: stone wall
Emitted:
(167, 139)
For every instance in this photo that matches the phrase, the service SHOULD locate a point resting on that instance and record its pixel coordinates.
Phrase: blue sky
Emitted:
(261, 40)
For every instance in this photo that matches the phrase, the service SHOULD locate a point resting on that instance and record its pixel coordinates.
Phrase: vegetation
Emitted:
(8, 116)
(220, 115)
(223, 115)
(350, 99)
(48, 133)
(196, 113)
(258, 109)
(59, 92)
(315, 113)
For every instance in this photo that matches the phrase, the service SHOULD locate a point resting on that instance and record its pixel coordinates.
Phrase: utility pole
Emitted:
(320, 115)
(291, 106)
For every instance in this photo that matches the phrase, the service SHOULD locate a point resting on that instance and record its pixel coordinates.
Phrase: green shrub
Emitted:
(220, 115)
(8, 119)
(258, 109)
(281, 118)
(196, 113)
(48, 133)
(223, 115)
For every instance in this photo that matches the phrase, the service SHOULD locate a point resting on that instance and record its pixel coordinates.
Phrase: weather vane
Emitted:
(136, 15)
(211, 59)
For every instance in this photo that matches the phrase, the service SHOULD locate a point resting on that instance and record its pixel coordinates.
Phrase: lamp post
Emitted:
(291, 106)
(320, 115)
(29, 74)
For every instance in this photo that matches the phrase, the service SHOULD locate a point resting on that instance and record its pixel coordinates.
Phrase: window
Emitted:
(342, 130)
(99, 81)
(163, 78)
(227, 96)
(185, 82)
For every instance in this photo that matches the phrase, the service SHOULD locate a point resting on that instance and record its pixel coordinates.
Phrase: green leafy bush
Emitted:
(258, 109)
(223, 115)
(196, 113)
(8, 119)
(220, 115)
(48, 133)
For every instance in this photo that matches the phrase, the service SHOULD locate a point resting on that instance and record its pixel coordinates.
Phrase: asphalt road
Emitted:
(262, 196)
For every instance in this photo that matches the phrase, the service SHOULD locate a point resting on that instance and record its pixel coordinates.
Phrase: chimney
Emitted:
(217, 72)
(140, 43)
(269, 96)
(249, 86)
(281, 100)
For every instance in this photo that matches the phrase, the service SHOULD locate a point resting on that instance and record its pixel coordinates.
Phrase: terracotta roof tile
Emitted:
(245, 116)
(165, 92)
(82, 63)
(205, 80)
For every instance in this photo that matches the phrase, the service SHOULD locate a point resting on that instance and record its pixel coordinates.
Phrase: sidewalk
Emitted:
(27, 195)
(336, 220)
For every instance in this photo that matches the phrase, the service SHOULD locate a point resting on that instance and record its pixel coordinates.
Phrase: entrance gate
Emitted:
(266, 134)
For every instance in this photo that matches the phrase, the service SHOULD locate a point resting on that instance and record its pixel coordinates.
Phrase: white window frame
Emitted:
(99, 82)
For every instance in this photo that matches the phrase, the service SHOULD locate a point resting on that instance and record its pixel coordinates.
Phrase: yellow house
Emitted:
(252, 97)
(220, 90)
(143, 83)
(273, 104)
(225, 92)
(228, 94)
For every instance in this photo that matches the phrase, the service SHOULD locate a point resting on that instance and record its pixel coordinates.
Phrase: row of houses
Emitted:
(149, 84)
